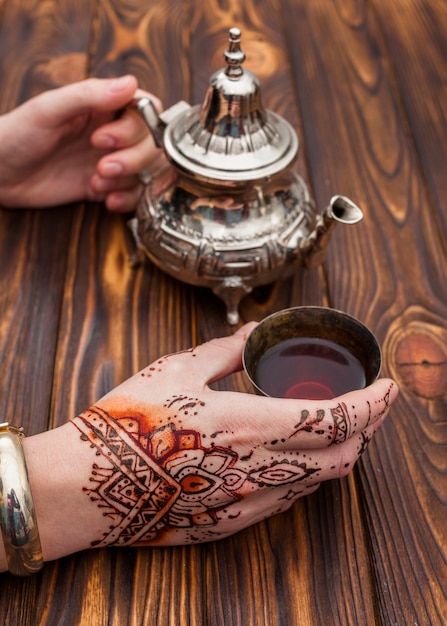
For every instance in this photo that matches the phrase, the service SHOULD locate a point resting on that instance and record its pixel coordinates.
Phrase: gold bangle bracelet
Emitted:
(17, 517)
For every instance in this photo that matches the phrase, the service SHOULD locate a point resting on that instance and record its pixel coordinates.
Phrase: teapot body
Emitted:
(227, 241)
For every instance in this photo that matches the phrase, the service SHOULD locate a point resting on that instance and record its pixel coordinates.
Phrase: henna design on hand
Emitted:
(150, 481)
(154, 477)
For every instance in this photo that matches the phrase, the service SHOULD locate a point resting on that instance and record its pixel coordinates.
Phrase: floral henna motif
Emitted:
(307, 424)
(337, 432)
(151, 482)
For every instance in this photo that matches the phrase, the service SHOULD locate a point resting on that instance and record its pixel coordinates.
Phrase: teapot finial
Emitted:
(234, 56)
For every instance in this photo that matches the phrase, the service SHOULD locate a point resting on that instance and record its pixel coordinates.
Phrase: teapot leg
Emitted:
(231, 290)
(138, 256)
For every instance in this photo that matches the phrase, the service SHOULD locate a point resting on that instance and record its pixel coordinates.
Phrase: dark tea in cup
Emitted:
(314, 353)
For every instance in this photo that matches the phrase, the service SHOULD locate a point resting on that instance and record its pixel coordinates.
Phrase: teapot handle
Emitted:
(155, 122)
(148, 112)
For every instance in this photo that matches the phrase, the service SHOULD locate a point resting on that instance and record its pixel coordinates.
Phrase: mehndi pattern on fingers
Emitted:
(342, 424)
(337, 431)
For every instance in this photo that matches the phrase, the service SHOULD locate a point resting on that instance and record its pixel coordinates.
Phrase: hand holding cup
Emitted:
(198, 464)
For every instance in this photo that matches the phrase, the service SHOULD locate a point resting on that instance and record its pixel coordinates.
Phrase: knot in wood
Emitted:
(418, 356)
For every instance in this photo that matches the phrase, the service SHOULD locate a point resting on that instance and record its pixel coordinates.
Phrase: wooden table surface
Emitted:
(364, 82)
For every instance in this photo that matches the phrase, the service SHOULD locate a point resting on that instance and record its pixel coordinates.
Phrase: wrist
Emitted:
(59, 468)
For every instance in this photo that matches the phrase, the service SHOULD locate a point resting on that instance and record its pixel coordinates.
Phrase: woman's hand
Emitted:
(162, 459)
(71, 144)
(174, 462)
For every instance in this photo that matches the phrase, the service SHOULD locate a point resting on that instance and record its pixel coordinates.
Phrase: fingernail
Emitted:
(246, 329)
(111, 168)
(117, 84)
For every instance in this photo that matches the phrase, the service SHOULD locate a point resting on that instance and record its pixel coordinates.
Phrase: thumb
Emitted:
(216, 358)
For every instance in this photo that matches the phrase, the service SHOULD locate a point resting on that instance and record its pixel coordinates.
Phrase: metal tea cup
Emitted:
(313, 323)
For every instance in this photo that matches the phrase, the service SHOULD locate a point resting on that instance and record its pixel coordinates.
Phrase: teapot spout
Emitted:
(340, 210)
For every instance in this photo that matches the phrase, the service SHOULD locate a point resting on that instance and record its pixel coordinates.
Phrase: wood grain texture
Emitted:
(363, 82)
(424, 106)
(399, 259)
(43, 45)
(32, 272)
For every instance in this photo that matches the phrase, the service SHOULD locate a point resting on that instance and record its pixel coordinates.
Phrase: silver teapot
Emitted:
(230, 213)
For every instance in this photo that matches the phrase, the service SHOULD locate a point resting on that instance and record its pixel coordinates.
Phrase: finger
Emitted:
(303, 469)
(297, 425)
(127, 130)
(338, 461)
(144, 155)
(94, 94)
(123, 201)
(337, 420)
(260, 505)
(212, 360)
(107, 185)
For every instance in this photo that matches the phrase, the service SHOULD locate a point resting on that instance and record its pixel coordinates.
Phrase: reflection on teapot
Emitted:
(230, 214)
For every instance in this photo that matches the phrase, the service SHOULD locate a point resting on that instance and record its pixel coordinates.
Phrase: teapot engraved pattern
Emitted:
(230, 213)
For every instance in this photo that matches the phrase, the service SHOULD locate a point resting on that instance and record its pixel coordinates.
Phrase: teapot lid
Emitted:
(231, 137)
